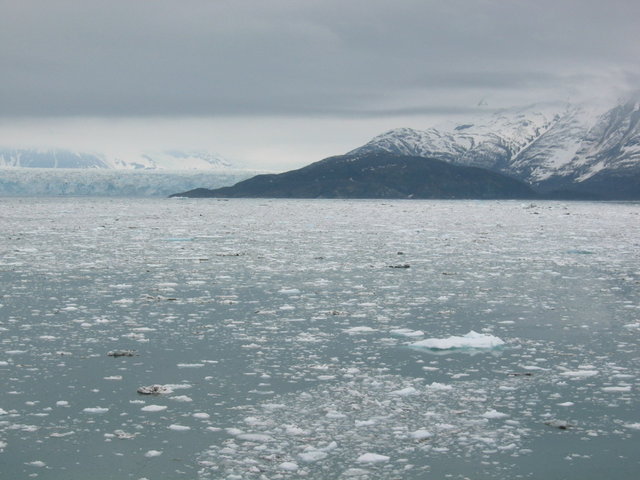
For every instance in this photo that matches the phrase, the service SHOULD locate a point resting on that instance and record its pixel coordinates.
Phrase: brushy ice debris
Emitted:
(472, 340)
(153, 453)
(372, 458)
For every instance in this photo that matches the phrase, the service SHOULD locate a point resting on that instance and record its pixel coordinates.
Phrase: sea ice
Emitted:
(95, 410)
(494, 414)
(420, 434)
(288, 466)
(472, 340)
(178, 428)
(154, 408)
(362, 329)
(579, 373)
(372, 458)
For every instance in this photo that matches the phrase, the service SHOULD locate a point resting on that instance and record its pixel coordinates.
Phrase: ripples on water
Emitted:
(282, 339)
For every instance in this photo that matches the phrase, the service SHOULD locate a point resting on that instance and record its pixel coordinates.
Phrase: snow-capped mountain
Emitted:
(551, 147)
(163, 160)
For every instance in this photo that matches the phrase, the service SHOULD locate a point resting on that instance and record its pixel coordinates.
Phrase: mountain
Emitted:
(559, 148)
(163, 160)
(375, 175)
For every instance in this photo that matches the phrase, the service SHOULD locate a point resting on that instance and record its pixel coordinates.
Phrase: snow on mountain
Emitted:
(487, 142)
(175, 160)
(550, 146)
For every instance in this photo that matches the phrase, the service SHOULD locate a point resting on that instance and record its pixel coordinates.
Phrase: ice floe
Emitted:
(471, 340)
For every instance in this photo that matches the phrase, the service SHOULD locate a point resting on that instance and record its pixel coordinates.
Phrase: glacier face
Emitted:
(111, 182)
(65, 172)
(160, 160)
(550, 146)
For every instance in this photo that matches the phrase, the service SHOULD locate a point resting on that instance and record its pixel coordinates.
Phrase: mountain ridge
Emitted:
(550, 147)
(374, 175)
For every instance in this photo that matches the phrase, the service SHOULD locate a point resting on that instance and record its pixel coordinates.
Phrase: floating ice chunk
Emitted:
(178, 428)
(3, 445)
(255, 437)
(114, 377)
(3, 412)
(295, 430)
(181, 398)
(471, 340)
(372, 458)
(619, 388)
(406, 332)
(362, 329)
(153, 453)
(95, 410)
(356, 472)
(289, 291)
(404, 392)
(153, 408)
(566, 404)
(420, 434)
(201, 415)
(439, 386)
(313, 456)
(494, 414)
(190, 365)
(579, 373)
(37, 463)
(59, 403)
(633, 426)
(288, 466)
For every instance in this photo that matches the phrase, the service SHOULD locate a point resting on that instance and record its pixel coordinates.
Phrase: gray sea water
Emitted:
(282, 335)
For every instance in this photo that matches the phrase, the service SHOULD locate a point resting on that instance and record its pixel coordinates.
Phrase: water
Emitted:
(284, 339)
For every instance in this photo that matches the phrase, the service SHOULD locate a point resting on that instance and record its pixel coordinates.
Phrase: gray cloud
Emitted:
(293, 57)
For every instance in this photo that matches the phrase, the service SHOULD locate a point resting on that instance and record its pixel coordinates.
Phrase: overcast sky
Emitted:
(280, 83)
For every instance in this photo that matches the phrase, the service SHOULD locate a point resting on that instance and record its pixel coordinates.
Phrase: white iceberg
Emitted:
(372, 458)
(472, 340)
